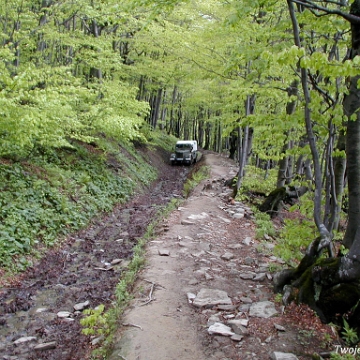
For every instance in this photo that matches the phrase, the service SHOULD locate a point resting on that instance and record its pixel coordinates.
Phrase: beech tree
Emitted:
(330, 285)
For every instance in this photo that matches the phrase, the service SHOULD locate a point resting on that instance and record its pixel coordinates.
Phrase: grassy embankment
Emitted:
(56, 191)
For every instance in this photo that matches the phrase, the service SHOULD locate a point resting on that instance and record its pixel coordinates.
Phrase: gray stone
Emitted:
(201, 216)
(116, 261)
(211, 297)
(234, 246)
(227, 256)
(247, 275)
(205, 246)
(237, 327)
(226, 307)
(237, 337)
(277, 355)
(81, 306)
(221, 329)
(212, 320)
(238, 215)
(249, 261)
(263, 309)
(190, 297)
(46, 346)
(208, 276)
(247, 241)
(260, 277)
(64, 314)
(279, 327)
(24, 339)
(244, 307)
(164, 252)
(246, 300)
(187, 222)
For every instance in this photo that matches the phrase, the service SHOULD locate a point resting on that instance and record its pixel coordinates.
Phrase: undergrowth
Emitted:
(56, 191)
(195, 178)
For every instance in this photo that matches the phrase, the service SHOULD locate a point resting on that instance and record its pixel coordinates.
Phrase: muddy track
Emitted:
(85, 269)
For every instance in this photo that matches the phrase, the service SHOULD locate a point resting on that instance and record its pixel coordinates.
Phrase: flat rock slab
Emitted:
(201, 216)
(164, 252)
(277, 355)
(263, 309)
(227, 256)
(220, 329)
(211, 297)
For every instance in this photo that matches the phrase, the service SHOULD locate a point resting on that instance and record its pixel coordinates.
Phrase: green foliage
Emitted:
(196, 177)
(264, 225)
(336, 356)
(257, 180)
(349, 334)
(295, 236)
(95, 323)
(57, 191)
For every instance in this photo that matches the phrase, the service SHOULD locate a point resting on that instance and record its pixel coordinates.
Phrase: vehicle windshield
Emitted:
(184, 146)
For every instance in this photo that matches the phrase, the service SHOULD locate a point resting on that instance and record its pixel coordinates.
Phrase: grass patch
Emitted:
(197, 175)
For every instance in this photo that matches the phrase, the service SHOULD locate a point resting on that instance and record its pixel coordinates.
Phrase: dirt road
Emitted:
(205, 292)
(209, 247)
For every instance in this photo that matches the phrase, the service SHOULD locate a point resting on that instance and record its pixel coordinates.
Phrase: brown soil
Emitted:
(160, 323)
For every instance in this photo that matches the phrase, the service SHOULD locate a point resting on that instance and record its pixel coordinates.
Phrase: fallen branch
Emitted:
(128, 324)
(150, 298)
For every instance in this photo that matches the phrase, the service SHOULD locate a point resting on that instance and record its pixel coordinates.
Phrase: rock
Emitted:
(208, 276)
(279, 327)
(238, 215)
(260, 277)
(244, 307)
(237, 327)
(237, 337)
(46, 346)
(227, 256)
(24, 339)
(263, 309)
(116, 261)
(164, 252)
(276, 355)
(212, 320)
(199, 253)
(246, 300)
(201, 216)
(247, 275)
(226, 307)
(234, 246)
(63, 314)
(190, 297)
(187, 222)
(247, 241)
(211, 297)
(81, 306)
(249, 261)
(193, 281)
(41, 310)
(205, 246)
(97, 340)
(221, 329)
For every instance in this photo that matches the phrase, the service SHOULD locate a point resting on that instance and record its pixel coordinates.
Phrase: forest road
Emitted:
(207, 243)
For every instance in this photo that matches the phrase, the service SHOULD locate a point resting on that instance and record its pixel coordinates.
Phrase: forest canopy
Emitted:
(272, 83)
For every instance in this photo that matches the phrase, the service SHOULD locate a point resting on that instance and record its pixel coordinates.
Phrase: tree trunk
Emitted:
(331, 285)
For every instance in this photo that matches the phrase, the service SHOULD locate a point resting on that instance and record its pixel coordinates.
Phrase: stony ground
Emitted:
(205, 292)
